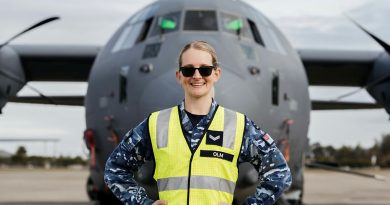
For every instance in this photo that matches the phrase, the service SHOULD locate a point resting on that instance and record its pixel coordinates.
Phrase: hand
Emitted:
(160, 202)
(223, 203)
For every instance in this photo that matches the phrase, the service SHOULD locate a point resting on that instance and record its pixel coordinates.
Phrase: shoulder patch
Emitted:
(268, 139)
(214, 137)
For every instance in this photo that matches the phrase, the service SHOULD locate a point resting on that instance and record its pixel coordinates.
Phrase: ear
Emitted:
(217, 73)
(178, 76)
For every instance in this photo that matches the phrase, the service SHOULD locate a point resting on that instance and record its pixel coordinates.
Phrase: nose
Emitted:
(197, 74)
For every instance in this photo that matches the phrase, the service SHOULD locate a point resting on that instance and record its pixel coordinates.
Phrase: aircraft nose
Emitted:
(160, 93)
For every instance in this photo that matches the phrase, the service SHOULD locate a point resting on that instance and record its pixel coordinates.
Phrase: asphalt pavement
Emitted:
(67, 187)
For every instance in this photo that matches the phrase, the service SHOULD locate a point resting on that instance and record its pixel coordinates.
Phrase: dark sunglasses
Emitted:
(204, 70)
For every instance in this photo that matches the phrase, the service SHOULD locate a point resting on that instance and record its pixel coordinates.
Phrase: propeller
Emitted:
(45, 21)
(30, 28)
(384, 45)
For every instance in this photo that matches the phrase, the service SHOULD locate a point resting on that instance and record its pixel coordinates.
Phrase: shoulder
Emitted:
(137, 133)
(164, 111)
(255, 134)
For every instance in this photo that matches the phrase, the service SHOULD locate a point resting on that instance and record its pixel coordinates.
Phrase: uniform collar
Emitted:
(214, 105)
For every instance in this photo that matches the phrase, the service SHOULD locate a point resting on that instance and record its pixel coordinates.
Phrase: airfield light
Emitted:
(167, 24)
(234, 25)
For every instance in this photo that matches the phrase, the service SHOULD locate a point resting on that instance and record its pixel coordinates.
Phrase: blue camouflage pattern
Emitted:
(136, 148)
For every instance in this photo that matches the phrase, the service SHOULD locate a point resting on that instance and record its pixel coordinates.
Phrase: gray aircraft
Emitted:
(133, 75)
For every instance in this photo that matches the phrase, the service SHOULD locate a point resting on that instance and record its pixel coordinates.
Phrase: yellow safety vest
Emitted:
(207, 175)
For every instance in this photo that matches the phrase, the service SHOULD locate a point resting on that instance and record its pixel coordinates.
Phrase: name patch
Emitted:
(214, 137)
(216, 154)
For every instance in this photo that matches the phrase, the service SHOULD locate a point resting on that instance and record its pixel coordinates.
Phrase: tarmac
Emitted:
(67, 187)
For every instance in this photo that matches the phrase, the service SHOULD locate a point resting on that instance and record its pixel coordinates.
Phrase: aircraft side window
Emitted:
(235, 25)
(200, 20)
(275, 89)
(166, 24)
(255, 32)
(151, 50)
(123, 84)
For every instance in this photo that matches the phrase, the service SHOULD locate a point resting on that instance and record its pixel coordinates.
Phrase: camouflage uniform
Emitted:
(136, 147)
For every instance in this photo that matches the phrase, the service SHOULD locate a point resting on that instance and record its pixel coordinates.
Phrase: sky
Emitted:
(312, 24)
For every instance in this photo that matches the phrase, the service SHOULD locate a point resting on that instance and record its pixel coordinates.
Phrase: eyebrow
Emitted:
(187, 65)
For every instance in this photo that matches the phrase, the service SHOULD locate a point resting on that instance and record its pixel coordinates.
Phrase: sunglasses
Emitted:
(204, 70)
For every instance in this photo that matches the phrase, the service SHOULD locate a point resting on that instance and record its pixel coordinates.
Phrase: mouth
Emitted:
(197, 84)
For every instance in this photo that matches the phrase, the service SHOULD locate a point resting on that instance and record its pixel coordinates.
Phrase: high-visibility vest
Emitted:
(206, 175)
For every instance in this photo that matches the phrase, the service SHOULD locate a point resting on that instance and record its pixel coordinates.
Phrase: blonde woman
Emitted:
(197, 145)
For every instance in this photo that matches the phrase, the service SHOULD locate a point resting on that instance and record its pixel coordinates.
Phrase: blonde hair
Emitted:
(203, 46)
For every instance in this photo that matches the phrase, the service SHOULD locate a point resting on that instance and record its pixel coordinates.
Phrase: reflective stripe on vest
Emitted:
(162, 127)
(230, 120)
(197, 182)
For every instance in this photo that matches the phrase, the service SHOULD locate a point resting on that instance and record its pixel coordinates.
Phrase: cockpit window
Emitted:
(143, 14)
(167, 23)
(132, 34)
(201, 20)
(235, 25)
(255, 32)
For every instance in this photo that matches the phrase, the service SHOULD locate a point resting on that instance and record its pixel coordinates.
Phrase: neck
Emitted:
(198, 106)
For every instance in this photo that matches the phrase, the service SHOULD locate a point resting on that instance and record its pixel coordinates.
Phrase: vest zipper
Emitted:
(196, 148)
(189, 179)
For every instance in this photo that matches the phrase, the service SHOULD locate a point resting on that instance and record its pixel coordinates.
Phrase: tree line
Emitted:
(20, 158)
(377, 155)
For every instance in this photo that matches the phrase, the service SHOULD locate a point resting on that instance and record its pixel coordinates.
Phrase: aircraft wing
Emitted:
(73, 63)
(54, 100)
(59, 63)
(342, 105)
(56, 63)
(339, 68)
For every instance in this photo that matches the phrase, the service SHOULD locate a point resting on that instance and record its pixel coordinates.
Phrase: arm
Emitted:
(124, 161)
(274, 173)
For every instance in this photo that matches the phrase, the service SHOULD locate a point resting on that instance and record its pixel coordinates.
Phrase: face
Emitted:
(197, 86)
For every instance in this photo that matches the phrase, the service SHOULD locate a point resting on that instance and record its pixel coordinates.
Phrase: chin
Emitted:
(198, 94)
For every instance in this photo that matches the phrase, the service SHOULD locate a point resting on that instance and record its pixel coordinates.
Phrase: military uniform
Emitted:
(257, 148)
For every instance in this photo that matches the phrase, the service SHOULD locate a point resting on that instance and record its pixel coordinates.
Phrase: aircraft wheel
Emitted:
(91, 189)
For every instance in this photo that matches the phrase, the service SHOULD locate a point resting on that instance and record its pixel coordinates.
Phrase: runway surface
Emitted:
(67, 187)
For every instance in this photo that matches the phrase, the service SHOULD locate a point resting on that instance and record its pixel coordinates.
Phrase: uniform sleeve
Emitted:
(125, 160)
(259, 149)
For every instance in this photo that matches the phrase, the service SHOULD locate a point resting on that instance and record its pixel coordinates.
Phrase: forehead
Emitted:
(196, 57)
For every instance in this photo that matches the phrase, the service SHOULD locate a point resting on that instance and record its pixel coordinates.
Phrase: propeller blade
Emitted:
(51, 101)
(368, 86)
(31, 28)
(378, 40)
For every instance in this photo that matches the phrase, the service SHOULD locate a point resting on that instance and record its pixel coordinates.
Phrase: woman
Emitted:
(196, 145)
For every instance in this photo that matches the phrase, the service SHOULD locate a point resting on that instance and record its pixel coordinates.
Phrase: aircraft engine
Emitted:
(378, 84)
(12, 77)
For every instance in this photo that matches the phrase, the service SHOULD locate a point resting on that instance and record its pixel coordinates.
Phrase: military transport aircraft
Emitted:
(132, 76)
